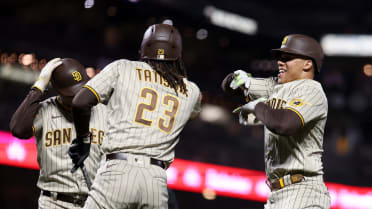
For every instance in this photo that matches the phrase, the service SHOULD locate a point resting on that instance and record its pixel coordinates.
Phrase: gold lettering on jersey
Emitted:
(139, 74)
(156, 74)
(76, 75)
(165, 82)
(57, 137)
(276, 103)
(66, 135)
(152, 97)
(147, 75)
(155, 77)
(93, 131)
(61, 137)
(100, 136)
(48, 139)
(166, 123)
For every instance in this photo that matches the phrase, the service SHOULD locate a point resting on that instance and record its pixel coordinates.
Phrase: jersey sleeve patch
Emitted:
(298, 102)
(299, 115)
(93, 91)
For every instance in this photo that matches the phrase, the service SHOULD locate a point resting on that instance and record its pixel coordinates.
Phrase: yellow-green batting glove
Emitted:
(242, 79)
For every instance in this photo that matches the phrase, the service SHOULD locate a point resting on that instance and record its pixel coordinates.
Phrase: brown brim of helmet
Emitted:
(277, 52)
(69, 91)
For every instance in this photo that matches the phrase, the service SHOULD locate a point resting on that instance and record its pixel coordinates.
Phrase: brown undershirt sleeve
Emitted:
(225, 85)
(22, 120)
(280, 121)
(81, 109)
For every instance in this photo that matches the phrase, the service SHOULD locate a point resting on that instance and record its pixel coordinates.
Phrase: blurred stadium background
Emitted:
(219, 37)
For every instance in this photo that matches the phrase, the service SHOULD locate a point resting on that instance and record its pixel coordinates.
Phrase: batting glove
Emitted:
(241, 79)
(246, 112)
(248, 119)
(46, 74)
(79, 151)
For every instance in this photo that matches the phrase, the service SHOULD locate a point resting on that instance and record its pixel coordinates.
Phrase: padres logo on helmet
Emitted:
(68, 78)
(76, 75)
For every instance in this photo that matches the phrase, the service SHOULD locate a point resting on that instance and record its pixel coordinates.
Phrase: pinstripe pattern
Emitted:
(146, 119)
(54, 133)
(300, 153)
(303, 151)
(311, 193)
(261, 87)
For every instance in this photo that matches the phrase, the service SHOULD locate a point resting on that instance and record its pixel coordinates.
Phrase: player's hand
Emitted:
(241, 79)
(225, 85)
(46, 74)
(249, 107)
(79, 151)
(246, 112)
(248, 119)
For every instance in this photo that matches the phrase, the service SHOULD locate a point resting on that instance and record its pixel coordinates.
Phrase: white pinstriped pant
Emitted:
(310, 194)
(129, 184)
(48, 203)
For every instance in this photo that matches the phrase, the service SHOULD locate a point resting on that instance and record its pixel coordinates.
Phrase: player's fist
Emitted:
(79, 151)
(225, 85)
(249, 107)
(241, 79)
(46, 74)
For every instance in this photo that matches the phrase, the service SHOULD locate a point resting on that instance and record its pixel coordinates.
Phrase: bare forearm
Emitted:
(22, 120)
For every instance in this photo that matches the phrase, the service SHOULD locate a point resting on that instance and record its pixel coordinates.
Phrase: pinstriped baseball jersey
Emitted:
(261, 87)
(145, 114)
(301, 152)
(54, 133)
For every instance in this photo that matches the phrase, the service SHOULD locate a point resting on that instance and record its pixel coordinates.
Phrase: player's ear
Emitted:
(308, 65)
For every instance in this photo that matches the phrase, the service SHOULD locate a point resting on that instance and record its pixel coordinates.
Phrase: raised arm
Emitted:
(22, 120)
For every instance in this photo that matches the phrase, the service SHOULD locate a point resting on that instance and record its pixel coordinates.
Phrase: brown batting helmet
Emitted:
(68, 78)
(302, 45)
(161, 42)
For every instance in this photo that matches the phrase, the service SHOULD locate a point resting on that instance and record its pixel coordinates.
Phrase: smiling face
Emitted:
(294, 67)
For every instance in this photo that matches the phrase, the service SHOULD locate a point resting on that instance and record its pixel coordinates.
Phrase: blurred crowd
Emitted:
(30, 62)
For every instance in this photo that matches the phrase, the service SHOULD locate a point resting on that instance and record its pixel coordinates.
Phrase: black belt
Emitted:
(123, 156)
(66, 198)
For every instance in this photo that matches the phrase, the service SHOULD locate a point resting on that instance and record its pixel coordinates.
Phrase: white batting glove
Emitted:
(248, 119)
(242, 78)
(46, 74)
(246, 112)
(249, 107)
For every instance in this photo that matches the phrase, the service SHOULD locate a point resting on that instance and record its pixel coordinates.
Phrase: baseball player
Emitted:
(50, 121)
(149, 102)
(293, 110)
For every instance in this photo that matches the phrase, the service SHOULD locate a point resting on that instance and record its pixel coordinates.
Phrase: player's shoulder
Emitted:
(123, 65)
(309, 87)
(127, 62)
(192, 85)
(49, 104)
(306, 84)
(51, 101)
